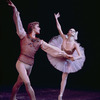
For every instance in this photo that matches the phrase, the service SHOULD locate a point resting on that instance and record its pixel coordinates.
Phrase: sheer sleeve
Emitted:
(52, 50)
(17, 20)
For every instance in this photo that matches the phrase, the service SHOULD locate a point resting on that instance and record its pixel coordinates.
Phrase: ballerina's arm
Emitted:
(78, 51)
(58, 25)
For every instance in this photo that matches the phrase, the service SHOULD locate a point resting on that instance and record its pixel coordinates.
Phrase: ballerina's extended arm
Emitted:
(58, 25)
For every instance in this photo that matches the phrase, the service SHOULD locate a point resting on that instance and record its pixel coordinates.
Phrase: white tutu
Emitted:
(63, 64)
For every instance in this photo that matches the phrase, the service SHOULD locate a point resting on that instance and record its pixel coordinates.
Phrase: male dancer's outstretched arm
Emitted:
(17, 20)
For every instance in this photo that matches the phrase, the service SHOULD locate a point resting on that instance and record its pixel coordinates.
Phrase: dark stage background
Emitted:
(83, 15)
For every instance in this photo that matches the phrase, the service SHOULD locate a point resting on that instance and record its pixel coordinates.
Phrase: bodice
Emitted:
(70, 52)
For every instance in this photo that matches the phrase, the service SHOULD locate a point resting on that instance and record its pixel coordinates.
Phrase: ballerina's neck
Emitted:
(70, 39)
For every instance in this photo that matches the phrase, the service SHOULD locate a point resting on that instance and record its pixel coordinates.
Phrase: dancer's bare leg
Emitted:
(24, 71)
(16, 88)
(63, 85)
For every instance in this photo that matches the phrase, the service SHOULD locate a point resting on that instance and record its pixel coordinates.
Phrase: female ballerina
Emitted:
(68, 44)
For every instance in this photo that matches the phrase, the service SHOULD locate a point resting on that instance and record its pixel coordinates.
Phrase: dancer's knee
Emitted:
(27, 84)
(17, 86)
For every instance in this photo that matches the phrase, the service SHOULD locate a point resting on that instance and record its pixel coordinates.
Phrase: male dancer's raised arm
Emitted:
(17, 20)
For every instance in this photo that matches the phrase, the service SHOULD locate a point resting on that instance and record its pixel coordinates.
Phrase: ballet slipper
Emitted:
(60, 97)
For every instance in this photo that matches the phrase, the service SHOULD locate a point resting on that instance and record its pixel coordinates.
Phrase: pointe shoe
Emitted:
(59, 97)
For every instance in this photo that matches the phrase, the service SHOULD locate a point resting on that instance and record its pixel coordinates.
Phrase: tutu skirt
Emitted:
(62, 64)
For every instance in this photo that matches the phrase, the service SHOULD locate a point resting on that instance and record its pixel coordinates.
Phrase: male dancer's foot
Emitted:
(13, 99)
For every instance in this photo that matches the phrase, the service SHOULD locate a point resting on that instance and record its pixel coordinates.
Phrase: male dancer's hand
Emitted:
(10, 3)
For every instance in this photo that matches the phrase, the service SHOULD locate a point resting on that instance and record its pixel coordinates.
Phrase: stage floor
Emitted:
(52, 94)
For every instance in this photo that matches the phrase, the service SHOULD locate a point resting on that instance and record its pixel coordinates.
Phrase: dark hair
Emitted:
(31, 26)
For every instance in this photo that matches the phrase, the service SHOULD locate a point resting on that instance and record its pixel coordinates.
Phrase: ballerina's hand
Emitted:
(10, 3)
(57, 15)
(71, 58)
